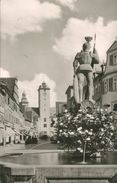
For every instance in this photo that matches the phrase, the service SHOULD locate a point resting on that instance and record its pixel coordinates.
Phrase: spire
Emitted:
(24, 100)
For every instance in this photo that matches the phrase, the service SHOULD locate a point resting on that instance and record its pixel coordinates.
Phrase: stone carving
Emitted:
(83, 71)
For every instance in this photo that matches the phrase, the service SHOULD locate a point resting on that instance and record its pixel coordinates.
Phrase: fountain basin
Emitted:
(57, 158)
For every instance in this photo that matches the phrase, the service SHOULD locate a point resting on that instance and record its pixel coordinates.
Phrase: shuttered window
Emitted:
(115, 107)
(115, 59)
(103, 87)
(106, 86)
(111, 59)
(110, 84)
(115, 83)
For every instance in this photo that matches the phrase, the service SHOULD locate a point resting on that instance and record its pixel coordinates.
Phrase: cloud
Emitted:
(69, 3)
(74, 32)
(31, 87)
(19, 16)
(4, 73)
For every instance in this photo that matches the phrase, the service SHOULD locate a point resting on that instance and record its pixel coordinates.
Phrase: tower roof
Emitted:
(43, 86)
(24, 98)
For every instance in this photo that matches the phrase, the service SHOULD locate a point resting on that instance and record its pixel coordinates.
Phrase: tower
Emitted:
(24, 102)
(44, 108)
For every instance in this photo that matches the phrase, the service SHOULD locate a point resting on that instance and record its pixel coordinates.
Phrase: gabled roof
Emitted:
(10, 83)
(112, 47)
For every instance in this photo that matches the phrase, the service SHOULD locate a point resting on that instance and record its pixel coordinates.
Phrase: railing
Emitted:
(58, 174)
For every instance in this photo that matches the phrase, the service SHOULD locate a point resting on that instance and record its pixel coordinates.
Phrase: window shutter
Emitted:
(110, 84)
(103, 87)
(111, 59)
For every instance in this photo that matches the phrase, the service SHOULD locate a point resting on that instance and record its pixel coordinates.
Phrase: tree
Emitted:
(86, 131)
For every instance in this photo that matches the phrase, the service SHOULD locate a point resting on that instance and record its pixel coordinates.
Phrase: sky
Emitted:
(40, 38)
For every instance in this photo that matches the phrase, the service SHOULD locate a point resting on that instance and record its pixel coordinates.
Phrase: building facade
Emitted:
(109, 80)
(12, 118)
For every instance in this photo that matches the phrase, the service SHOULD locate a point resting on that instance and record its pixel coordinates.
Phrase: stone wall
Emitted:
(59, 174)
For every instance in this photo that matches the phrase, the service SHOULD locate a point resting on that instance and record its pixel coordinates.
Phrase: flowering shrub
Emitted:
(94, 130)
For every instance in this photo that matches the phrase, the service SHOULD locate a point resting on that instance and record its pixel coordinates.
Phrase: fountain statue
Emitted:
(83, 73)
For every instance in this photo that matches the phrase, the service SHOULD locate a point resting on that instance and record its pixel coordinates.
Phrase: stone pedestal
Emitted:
(88, 106)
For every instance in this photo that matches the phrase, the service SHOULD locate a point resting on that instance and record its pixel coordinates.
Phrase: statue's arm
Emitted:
(76, 62)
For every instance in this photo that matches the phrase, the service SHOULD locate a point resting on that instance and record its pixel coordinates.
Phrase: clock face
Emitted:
(87, 105)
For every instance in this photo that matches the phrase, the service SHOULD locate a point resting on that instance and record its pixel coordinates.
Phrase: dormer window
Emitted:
(113, 59)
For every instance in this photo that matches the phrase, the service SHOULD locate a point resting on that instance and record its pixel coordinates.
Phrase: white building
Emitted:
(109, 80)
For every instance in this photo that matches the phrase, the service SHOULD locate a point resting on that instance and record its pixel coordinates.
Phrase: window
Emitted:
(115, 83)
(97, 88)
(110, 84)
(106, 86)
(111, 59)
(115, 59)
(45, 125)
(115, 107)
(44, 119)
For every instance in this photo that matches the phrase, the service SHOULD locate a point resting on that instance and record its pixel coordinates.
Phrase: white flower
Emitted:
(89, 115)
(61, 124)
(79, 149)
(64, 133)
(111, 117)
(88, 138)
(101, 110)
(71, 133)
(80, 128)
(90, 133)
(60, 131)
(79, 141)
(111, 134)
(92, 117)
(112, 127)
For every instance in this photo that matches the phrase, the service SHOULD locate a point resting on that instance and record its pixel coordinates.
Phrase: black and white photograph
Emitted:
(58, 91)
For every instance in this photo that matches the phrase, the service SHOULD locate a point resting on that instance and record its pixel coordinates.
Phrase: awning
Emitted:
(16, 132)
(9, 131)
